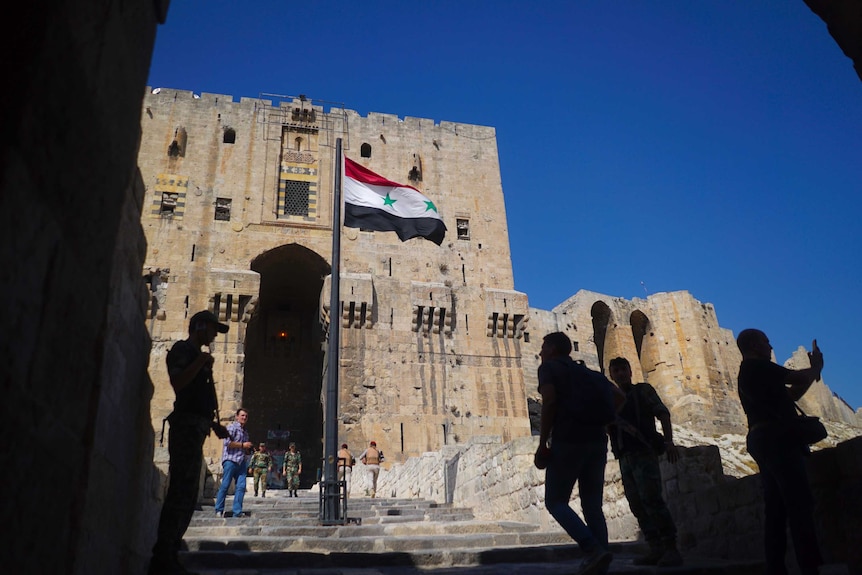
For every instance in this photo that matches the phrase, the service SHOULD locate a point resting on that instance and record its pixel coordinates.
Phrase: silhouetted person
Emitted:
(194, 415)
(573, 446)
(768, 392)
(632, 441)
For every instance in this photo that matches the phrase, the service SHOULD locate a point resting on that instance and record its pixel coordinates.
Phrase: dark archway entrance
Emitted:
(601, 318)
(284, 356)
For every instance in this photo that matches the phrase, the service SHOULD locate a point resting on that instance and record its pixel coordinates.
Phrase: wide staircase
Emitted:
(284, 536)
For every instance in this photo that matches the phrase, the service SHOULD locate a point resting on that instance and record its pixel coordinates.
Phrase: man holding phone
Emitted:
(193, 417)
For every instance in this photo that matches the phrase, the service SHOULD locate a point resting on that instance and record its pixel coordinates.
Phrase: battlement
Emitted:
(278, 102)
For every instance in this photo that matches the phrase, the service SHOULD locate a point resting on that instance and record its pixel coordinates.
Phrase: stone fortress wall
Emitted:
(674, 342)
(238, 212)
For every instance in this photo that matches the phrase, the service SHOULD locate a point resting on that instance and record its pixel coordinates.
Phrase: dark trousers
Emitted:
(642, 483)
(584, 464)
(787, 501)
(185, 446)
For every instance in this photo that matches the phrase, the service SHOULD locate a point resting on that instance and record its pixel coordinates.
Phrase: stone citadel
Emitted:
(76, 378)
(437, 347)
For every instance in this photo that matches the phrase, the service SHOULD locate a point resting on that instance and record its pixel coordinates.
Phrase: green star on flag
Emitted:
(369, 203)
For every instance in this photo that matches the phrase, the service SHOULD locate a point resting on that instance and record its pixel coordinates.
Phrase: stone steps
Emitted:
(282, 535)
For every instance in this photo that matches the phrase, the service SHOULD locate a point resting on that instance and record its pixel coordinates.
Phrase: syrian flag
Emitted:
(372, 202)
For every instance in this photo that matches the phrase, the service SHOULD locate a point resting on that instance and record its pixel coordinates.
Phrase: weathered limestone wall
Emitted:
(75, 348)
(497, 480)
(716, 515)
(431, 335)
(673, 342)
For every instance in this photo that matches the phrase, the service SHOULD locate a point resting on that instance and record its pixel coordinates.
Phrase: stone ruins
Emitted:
(437, 346)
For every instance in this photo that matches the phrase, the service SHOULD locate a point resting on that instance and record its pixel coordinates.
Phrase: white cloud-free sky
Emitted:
(709, 146)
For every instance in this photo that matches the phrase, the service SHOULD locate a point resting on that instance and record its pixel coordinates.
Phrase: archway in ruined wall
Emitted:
(645, 343)
(284, 357)
(601, 314)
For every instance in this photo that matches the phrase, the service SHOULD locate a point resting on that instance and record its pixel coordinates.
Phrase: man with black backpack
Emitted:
(637, 445)
(577, 405)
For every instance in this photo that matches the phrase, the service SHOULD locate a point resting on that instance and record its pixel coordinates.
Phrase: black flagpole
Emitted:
(332, 511)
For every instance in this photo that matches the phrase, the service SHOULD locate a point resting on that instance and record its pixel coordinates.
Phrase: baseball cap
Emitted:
(373, 443)
(343, 446)
(210, 317)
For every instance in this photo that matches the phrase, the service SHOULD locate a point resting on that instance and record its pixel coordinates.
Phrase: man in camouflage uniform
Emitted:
(634, 440)
(261, 461)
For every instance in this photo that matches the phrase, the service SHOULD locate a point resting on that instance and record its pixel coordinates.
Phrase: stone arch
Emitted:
(601, 315)
(645, 342)
(640, 324)
(283, 354)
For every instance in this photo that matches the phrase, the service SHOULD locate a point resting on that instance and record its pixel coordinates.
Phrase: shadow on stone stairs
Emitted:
(282, 535)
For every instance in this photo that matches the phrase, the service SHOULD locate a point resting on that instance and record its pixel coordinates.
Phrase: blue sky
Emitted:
(706, 146)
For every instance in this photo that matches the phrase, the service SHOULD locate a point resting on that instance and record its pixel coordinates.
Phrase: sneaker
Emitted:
(219, 513)
(595, 562)
(240, 515)
(255, 493)
(263, 494)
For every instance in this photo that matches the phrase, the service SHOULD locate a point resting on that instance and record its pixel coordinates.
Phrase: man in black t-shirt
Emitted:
(573, 448)
(190, 372)
(768, 392)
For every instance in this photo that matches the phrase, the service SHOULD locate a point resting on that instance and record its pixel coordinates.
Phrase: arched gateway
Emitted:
(283, 355)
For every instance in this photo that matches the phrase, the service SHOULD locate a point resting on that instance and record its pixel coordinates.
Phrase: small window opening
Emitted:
(463, 226)
(298, 143)
(229, 136)
(365, 150)
(169, 204)
(222, 209)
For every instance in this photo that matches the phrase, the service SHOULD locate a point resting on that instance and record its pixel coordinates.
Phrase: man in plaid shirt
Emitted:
(236, 447)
